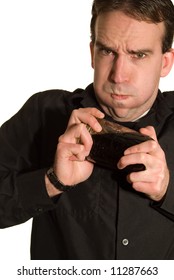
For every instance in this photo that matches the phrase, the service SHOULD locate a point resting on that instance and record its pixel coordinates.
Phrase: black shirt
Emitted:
(103, 217)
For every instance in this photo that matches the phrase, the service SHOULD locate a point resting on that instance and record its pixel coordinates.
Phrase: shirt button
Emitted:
(39, 210)
(125, 242)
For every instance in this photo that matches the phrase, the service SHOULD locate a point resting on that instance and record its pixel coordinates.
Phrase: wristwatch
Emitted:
(56, 182)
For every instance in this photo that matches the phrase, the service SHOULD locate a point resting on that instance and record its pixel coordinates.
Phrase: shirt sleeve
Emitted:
(25, 155)
(166, 205)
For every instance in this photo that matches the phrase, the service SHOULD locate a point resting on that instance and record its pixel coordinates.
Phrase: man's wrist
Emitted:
(50, 188)
(54, 180)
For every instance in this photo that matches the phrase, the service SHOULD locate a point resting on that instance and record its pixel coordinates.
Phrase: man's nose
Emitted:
(120, 69)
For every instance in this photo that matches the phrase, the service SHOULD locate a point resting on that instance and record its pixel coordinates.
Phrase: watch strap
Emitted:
(56, 182)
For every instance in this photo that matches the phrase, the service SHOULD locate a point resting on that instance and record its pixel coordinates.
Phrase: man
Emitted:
(82, 210)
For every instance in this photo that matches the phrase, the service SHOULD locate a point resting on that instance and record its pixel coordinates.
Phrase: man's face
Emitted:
(128, 63)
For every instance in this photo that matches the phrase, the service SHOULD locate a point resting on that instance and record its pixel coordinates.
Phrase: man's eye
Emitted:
(140, 55)
(106, 52)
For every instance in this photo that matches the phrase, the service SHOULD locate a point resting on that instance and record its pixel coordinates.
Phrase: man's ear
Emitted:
(168, 60)
(92, 53)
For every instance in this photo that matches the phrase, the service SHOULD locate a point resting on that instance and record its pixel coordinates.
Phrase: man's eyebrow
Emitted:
(148, 51)
(100, 44)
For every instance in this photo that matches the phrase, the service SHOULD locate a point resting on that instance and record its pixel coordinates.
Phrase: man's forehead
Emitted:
(117, 23)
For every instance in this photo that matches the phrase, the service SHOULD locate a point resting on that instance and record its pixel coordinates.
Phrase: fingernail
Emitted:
(98, 127)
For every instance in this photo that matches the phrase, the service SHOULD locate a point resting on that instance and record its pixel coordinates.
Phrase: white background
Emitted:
(44, 45)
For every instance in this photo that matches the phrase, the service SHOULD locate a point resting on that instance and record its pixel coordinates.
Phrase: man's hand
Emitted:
(154, 180)
(74, 145)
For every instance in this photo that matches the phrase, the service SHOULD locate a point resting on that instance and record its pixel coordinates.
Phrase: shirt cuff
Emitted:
(32, 192)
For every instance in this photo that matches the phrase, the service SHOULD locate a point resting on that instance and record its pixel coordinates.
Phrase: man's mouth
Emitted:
(119, 96)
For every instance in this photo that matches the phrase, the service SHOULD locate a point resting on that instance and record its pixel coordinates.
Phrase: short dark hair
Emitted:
(154, 11)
